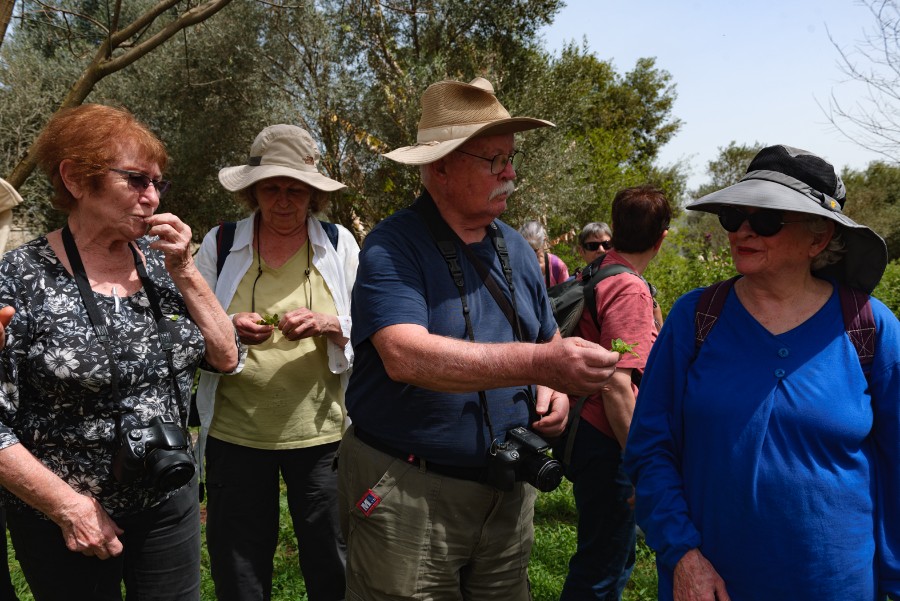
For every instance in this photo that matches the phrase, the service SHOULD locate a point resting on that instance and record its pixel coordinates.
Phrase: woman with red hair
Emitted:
(112, 318)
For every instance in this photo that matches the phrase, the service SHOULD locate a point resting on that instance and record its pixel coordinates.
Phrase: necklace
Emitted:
(307, 285)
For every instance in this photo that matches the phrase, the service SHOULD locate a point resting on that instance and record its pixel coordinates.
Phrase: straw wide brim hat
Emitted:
(789, 179)
(454, 112)
(9, 197)
(280, 151)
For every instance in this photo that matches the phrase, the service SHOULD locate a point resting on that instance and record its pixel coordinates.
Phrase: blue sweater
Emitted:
(770, 455)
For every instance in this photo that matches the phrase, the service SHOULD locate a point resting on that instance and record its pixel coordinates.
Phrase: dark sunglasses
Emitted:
(595, 246)
(765, 222)
(140, 182)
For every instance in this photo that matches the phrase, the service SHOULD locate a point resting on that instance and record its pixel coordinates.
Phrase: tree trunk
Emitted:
(6, 11)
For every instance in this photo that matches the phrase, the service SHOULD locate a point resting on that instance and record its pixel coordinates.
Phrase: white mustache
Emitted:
(507, 188)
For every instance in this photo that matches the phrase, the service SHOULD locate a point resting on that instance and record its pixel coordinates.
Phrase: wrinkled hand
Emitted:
(249, 331)
(174, 240)
(88, 529)
(553, 410)
(695, 579)
(6, 315)
(574, 365)
(303, 323)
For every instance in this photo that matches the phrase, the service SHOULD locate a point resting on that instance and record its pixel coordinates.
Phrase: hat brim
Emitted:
(866, 256)
(424, 153)
(9, 197)
(244, 176)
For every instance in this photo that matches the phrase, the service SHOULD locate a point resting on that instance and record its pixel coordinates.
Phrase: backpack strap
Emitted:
(859, 323)
(708, 309)
(224, 242)
(590, 288)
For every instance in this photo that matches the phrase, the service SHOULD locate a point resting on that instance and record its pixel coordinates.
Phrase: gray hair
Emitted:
(534, 233)
(595, 228)
(836, 248)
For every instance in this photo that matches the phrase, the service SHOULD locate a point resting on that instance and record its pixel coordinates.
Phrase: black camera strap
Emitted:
(102, 330)
(447, 241)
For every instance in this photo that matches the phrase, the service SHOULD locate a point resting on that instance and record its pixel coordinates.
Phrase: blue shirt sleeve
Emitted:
(653, 452)
(885, 390)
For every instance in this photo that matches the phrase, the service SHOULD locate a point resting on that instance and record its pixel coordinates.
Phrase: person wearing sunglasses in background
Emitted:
(283, 416)
(594, 241)
(112, 319)
(766, 457)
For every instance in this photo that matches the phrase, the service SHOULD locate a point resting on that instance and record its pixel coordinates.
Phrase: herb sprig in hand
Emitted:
(620, 346)
(268, 320)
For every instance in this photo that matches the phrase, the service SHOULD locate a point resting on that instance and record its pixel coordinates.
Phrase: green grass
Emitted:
(555, 537)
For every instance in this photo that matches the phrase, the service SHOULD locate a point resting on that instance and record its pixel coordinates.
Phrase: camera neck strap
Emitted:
(447, 242)
(103, 331)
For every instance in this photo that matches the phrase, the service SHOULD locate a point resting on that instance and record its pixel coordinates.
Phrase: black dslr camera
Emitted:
(157, 454)
(523, 457)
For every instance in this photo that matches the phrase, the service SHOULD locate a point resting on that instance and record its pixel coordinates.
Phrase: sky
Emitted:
(761, 71)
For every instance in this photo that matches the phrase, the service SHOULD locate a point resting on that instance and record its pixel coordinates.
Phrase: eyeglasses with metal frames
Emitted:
(140, 182)
(500, 161)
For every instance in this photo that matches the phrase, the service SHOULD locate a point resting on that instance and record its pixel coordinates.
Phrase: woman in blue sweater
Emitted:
(766, 461)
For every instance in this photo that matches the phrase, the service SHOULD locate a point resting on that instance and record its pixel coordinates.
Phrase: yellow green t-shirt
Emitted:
(285, 397)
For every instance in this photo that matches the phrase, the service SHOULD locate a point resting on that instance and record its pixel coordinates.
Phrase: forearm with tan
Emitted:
(85, 525)
(207, 313)
(414, 356)
(618, 403)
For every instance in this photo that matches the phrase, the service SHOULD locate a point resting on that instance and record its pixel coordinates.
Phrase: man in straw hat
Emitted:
(448, 305)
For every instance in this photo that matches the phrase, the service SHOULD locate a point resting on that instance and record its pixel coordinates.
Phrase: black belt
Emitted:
(473, 474)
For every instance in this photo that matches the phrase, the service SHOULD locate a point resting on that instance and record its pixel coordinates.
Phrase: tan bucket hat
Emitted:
(9, 198)
(280, 151)
(453, 112)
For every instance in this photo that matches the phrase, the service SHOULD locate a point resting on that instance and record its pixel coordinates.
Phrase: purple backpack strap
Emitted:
(712, 299)
(859, 323)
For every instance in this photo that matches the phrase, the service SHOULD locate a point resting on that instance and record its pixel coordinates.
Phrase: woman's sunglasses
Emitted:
(140, 182)
(765, 222)
(595, 246)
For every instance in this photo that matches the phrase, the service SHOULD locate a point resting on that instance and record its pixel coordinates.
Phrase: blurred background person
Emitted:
(767, 461)
(552, 267)
(283, 415)
(111, 320)
(605, 555)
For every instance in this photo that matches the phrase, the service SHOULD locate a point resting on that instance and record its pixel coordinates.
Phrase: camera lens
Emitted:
(546, 473)
(170, 470)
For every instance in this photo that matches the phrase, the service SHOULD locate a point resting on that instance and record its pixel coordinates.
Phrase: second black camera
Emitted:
(158, 456)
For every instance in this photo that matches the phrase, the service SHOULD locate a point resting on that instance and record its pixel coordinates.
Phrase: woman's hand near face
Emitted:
(249, 330)
(174, 240)
(303, 323)
(695, 579)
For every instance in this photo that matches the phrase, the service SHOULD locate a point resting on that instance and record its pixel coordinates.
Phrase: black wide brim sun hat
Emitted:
(789, 179)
